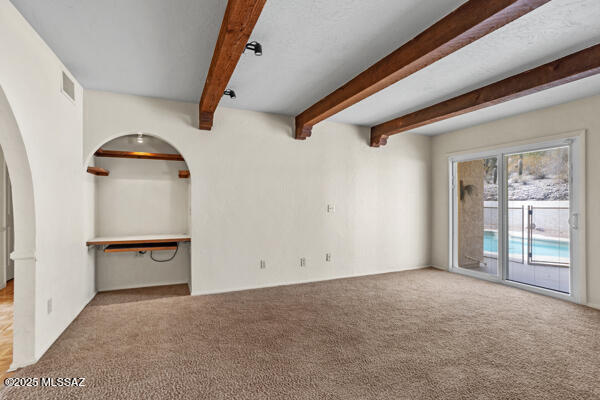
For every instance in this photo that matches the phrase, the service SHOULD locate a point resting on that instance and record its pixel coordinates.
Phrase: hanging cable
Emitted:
(167, 260)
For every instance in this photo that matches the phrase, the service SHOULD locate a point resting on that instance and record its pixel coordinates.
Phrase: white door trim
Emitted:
(576, 142)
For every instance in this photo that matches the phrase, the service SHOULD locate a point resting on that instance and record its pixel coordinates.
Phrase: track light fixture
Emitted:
(229, 93)
(255, 47)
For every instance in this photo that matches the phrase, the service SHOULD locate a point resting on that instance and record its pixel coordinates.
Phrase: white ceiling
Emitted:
(163, 49)
(158, 48)
(556, 29)
(312, 47)
(557, 95)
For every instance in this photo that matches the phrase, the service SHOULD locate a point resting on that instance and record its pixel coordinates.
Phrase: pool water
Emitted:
(541, 247)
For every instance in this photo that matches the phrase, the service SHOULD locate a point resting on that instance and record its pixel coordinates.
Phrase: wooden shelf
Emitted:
(97, 171)
(121, 248)
(141, 239)
(184, 174)
(138, 155)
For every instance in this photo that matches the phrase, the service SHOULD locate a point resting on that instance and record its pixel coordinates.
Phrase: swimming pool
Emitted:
(541, 247)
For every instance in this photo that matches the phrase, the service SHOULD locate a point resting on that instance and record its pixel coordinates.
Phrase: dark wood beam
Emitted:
(564, 70)
(184, 173)
(466, 24)
(238, 23)
(138, 154)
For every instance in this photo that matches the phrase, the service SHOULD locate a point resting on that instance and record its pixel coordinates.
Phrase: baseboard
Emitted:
(143, 285)
(14, 366)
(439, 267)
(593, 305)
(300, 282)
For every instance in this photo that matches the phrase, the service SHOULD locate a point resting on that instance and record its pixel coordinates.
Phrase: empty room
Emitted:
(310, 199)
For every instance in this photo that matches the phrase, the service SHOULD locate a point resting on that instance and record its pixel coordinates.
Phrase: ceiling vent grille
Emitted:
(68, 87)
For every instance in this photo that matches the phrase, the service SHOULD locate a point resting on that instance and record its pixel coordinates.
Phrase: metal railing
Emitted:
(550, 228)
(556, 236)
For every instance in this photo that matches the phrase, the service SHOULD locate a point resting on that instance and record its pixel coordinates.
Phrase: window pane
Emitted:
(477, 214)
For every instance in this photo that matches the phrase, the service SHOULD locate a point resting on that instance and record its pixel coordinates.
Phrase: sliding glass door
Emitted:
(538, 185)
(512, 216)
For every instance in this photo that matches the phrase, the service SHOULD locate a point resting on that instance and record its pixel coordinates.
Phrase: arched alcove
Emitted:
(23, 255)
(141, 192)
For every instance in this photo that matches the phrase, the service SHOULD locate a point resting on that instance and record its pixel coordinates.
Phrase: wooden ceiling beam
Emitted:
(564, 70)
(466, 24)
(238, 23)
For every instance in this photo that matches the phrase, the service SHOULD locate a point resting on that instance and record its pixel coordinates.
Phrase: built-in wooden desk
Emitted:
(139, 243)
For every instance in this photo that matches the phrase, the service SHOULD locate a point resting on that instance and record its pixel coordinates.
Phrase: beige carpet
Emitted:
(141, 294)
(423, 334)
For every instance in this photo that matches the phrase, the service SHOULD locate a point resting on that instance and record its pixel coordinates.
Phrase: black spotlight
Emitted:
(255, 47)
(229, 93)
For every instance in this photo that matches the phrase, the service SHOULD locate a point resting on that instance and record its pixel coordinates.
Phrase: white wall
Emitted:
(140, 197)
(130, 270)
(581, 114)
(259, 194)
(53, 266)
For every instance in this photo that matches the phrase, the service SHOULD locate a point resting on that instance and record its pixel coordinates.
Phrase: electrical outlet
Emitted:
(330, 208)
(263, 264)
(303, 262)
(328, 257)
(49, 305)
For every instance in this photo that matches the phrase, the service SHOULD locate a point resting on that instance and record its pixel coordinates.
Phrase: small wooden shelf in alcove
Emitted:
(139, 239)
(138, 155)
(121, 248)
(118, 244)
(97, 171)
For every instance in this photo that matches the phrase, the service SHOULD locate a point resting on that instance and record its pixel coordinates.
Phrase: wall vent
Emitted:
(68, 87)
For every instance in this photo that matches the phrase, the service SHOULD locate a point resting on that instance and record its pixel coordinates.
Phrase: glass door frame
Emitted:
(454, 264)
(576, 143)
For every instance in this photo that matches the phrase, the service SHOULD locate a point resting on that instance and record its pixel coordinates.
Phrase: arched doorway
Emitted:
(141, 194)
(23, 255)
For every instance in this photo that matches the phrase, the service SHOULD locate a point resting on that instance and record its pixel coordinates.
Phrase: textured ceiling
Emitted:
(163, 49)
(556, 29)
(158, 48)
(557, 95)
(312, 47)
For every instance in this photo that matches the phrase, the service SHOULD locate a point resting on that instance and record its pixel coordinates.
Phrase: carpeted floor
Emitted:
(141, 294)
(423, 334)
